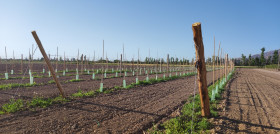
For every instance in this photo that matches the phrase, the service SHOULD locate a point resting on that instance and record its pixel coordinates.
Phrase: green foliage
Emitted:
(12, 106)
(51, 81)
(275, 57)
(74, 80)
(19, 104)
(14, 85)
(272, 66)
(80, 94)
(39, 102)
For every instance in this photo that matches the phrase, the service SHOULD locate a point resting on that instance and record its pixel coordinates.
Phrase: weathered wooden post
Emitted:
(225, 65)
(48, 62)
(77, 69)
(121, 66)
(201, 69)
(214, 63)
(64, 66)
(82, 63)
(56, 60)
(167, 63)
(21, 67)
(6, 60)
(218, 58)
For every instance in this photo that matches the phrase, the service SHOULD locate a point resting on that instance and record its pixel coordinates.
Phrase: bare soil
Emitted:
(251, 104)
(123, 111)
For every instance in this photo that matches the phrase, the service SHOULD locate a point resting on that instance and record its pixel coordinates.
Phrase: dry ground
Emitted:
(252, 103)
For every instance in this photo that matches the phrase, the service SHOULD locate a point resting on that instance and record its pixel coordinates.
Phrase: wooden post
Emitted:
(82, 60)
(21, 67)
(121, 66)
(57, 59)
(13, 60)
(138, 64)
(31, 62)
(160, 64)
(218, 57)
(48, 62)
(78, 63)
(6, 60)
(64, 62)
(225, 65)
(167, 64)
(214, 63)
(85, 62)
(201, 70)
(221, 58)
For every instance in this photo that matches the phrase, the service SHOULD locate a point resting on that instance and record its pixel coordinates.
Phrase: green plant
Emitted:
(39, 102)
(78, 94)
(12, 106)
(51, 81)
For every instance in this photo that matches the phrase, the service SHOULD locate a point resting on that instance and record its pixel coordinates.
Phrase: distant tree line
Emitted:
(258, 61)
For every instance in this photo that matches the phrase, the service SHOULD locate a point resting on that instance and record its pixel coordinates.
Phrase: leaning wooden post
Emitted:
(201, 70)
(48, 62)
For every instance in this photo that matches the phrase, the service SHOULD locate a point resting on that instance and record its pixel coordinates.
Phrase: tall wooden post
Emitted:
(78, 63)
(214, 63)
(121, 66)
(6, 60)
(57, 59)
(218, 57)
(21, 67)
(64, 62)
(82, 62)
(48, 62)
(225, 65)
(167, 63)
(13, 60)
(221, 58)
(31, 64)
(201, 69)
(138, 64)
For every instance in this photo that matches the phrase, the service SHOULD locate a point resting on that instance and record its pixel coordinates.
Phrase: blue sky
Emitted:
(163, 26)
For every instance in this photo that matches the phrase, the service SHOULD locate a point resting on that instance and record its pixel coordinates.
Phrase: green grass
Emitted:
(51, 82)
(272, 66)
(80, 94)
(19, 104)
(12, 106)
(74, 80)
(14, 85)
(39, 102)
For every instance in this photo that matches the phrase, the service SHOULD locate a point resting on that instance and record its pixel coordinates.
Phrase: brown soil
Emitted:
(125, 111)
(252, 103)
(50, 90)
